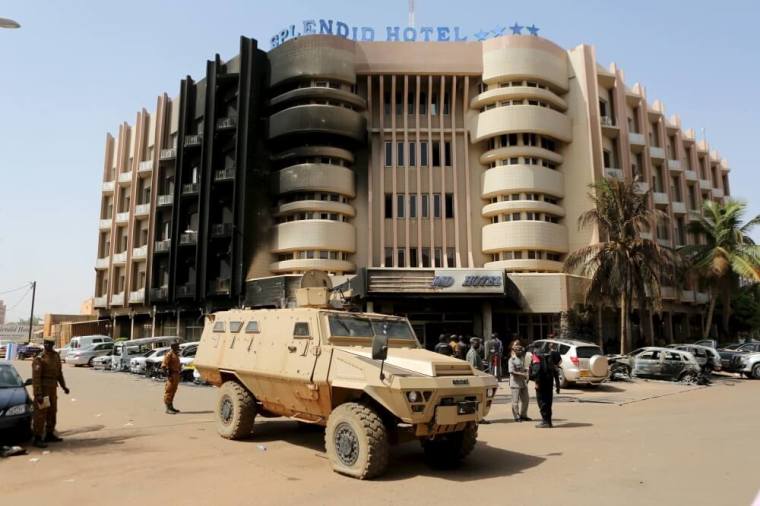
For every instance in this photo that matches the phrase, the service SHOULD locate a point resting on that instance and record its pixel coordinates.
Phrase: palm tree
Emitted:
(727, 255)
(621, 266)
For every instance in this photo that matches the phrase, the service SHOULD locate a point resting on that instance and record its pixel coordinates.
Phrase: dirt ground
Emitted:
(622, 443)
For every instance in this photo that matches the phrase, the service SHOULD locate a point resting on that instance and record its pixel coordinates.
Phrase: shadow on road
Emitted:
(306, 435)
(81, 430)
(195, 412)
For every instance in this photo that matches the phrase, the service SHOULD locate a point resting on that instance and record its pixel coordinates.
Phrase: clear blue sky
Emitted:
(76, 69)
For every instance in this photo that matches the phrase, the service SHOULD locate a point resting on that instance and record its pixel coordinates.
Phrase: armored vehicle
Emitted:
(363, 376)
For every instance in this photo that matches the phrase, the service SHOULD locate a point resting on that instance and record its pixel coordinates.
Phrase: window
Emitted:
(530, 139)
(400, 154)
(410, 101)
(388, 154)
(400, 206)
(424, 153)
(412, 206)
(436, 154)
(436, 205)
(412, 154)
(235, 327)
(218, 326)
(388, 257)
(301, 329)
(425, 257)
(388, 205)
(445, 103)
(450, 257)
(413, 257)
(449, 205)
(675, 357)
(602, 108)
(607, 158)
(401, 257)
(252, 327)
(447, 153)
(437, 257)
(434, 105)
(423, 102)
(424, 206)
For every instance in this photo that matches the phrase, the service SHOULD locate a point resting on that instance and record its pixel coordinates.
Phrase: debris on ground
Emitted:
(261, 447)
(10, 451)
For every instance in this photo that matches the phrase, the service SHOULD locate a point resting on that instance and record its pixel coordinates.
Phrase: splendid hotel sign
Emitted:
(394, 33)
(465, 281)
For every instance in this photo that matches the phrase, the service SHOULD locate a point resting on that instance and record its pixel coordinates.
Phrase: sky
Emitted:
(75, 70)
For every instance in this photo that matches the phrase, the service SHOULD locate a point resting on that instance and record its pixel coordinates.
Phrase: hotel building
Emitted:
(438, 180)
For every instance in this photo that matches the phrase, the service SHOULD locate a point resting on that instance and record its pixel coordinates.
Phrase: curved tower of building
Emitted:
(523, 118)
(316, 122)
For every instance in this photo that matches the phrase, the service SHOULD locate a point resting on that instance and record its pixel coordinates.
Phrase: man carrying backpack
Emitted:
(545, 373)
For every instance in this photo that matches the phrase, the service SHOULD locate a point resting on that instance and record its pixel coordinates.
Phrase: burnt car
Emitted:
(660, 363)
(707, 357)
(730, 356)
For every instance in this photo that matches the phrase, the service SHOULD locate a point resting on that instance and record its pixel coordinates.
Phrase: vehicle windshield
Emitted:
(358, 326)
(9, 378)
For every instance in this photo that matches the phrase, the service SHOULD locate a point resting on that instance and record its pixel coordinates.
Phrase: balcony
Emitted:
(167, 154)
(117, 299)
(165, 200)
(607, 121)
(186, 291)
(705, 184)
(667, 292)
(636, 139)
(190, 189)
(119, 258)
(678, 207)
(674, 165)
(142, 210)
(609, 128)
(162, 246)
(159, 294)
(221, 230)
(694, 215)
(100, 302)
(660, 198)
(102, 263)
(105, 223)
(122, 218)
(192, 141)
(125, 177)
(717, 193)
(687, 296)
(614, 173)
(224, 175)
(145, 167)
(108, 186)
(646, 235)
(188, 239)
(226, 123)
(641, 187)
(137, 297)
(221, 286)
(656, 153)
(691, 175)
(140, 253)
(701, 297)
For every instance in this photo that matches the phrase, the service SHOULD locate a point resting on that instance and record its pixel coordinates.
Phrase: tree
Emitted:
(745, 311)
(622, 266)
(726, 256)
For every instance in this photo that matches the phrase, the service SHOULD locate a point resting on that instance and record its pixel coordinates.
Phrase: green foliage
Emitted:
(745, 309)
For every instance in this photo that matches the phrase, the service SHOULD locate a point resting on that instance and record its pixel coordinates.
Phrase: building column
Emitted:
(177, 331)
(487, 318)
(669, 326)
(153, 322)
(131, 325)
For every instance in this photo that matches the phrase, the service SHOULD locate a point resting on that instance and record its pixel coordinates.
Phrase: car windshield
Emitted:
(189, 351)
(587, 351)
(356, 326)
(9, 378)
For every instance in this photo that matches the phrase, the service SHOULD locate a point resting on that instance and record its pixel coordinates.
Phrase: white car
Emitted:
(139, 365)
(750, 365)
(582, 362)
(103, 362)
(186, 357)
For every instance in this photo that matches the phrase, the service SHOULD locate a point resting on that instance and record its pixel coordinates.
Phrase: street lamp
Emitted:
(8, 23)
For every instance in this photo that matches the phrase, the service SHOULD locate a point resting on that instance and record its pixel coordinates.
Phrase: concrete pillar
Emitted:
(487, 317)
(668, 317)
(177, 332)
(153, 322)
(131, 325)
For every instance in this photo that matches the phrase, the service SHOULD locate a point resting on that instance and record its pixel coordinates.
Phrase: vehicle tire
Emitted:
(89, 362)
(235, 411)
(356, 441)
(756, 371)
(688, 377)
(448, 450)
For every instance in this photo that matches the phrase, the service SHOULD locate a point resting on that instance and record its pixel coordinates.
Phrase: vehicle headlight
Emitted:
(413, 396)
(491, 392)
(18, 409)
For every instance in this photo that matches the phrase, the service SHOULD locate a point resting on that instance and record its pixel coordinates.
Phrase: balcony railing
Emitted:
(167, 154)
(159, 294)
(694, 214)
(674, 165)
(165, 200)
(120, 258)
(640, 187)
(717, 193)
(691, 175)
(188, 238)
(140, 253)
(137, 297)
(145, 166)
(102, 263)
(607, 121)
(142, 210)
(100, 302)
(636, 139)
(221, 230)
(193, 140)
(678, 207)
(125, 177)
(162, 246)
(117, 299)
(105, 223)
(224, 174)
(226, 123)
(221, 285)
(185, 291)
(657, 152)
(122, 217)
(613, 173)
(109, 186)
(660, 198)
(190, 189)
(705, 184)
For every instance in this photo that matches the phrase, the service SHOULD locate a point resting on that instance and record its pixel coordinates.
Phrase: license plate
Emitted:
(467, 407)
(585, 374)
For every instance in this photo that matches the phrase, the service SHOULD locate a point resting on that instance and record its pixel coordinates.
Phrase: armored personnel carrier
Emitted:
(363, 376)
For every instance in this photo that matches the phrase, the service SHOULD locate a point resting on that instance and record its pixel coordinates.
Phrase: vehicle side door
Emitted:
(647, 363)
(302, 352)
(673, 364)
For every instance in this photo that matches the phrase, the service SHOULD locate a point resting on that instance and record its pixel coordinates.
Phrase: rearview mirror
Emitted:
(28, 382)
(380, 347)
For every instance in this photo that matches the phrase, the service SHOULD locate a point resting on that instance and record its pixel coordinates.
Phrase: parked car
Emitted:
(62, 352)
(81, 342)
(15, 403)
(186, 356)
(582, 362)
(86, 356)
(102, 362)
(712, 343)
(29, 351)
(707, 357)
(730, 355)
(124, 351)
(663, 363)
(139, 365)
(750, 365)
(187, 360)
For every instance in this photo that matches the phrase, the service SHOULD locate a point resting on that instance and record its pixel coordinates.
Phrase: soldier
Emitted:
(443, 346)
(473, 356)
(546, 373)
(494, 350)
(46, 376)
(171, 367)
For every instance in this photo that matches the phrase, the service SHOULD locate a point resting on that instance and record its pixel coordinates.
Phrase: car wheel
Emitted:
(688, 377)
(235, 411)
(89, 362)
(756, 371)
(356, 441)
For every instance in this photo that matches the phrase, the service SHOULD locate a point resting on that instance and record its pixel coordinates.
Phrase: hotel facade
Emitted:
(438, 180)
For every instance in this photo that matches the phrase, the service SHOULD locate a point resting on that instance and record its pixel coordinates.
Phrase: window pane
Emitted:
(388, 257)
(438, 257)
(423, 102)
(412, 206)
(388, 205)
(424, 153)
(449, 205)
(424, 206)
(450, 257)
(437, 205)
(388, 154)
(436, 154)
(219, 326)
(412, 154)
(301, 329)
(400, 154)
(413, 257)
(447, 154)
(426, 257)
(252, 327)
(401, 258)
(400, 206)
(235, 327)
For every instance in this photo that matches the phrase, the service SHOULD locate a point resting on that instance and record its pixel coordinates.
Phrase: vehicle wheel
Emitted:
(688, 377)
(448, 450)
(356, 441)
(563, 383)
(235, 411)
(89, 362)
(756, 371)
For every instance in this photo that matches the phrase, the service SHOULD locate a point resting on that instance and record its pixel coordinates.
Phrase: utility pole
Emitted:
(31, 315)
(411, 13)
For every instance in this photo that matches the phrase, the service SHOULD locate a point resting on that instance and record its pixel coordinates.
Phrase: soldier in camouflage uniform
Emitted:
(171, 366)
(46, 376)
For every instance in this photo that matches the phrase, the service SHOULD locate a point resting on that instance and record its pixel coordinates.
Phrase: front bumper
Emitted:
(583, 376)
(15, 422)
(77, 360)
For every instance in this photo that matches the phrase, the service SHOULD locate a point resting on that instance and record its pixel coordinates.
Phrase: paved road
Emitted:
(623, 443)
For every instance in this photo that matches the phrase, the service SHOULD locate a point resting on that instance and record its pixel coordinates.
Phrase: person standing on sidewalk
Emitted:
(172, 368)
(494, 352)
(46, 376)
(518, 382)
(545, 371)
